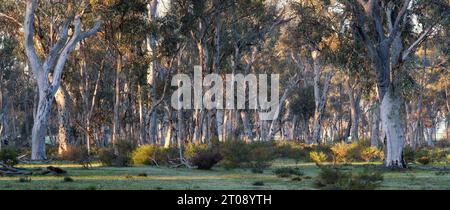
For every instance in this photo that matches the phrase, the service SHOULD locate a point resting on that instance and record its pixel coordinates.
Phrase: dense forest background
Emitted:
(93, 73)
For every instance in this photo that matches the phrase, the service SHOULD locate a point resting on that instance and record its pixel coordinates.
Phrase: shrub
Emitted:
(75, 154)
(365, 180)
(425, 155)
(424, 160)
(125, 148)
(296, 179)
(438, 154)
(287, 172)
(292, 150)
(67, 179)
(340, 152)
(335, 179)
(257, 170)
(408, 154)
(143, 155)
(235, 153)
(261, 154)
(191, 150)
(51, 151)
(8, 155)
(106, 156)
(371, 153)
(258, 183)
(25, 179)
(205, 160)
(318, 157)
(118, 155)
(152, 155)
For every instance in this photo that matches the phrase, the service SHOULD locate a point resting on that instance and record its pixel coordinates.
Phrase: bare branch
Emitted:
(54, 52)
(29, 34)
(78, 35)
(419, 40)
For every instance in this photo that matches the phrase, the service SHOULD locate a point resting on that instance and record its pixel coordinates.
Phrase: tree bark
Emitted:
(320, 97)
(390, 119)
(375, 126)
(64, 130)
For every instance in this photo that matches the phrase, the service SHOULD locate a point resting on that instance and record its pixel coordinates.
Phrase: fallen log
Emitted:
(6, 170)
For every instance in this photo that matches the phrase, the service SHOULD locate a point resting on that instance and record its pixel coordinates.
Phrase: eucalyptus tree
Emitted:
(387, 31)
(48, 71)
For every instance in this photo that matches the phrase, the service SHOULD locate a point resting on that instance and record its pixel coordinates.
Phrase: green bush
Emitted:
(52, 151)
(75, 154)
(191, 150)
(205, 160)
(239, 154)
(334, 179)
(118, 155)
(8, 155)
(68, 179)
(356, 151)
(409, 154)
(369, 154)
(25, 179)
(258, 183)
(144, 155)
(106, 156)
(261, 154)
(318, 157)
(153, 155)
(424, 160)
(292, 150)
(425, 155)
(287, 172)
(340, 152)
(235, 154)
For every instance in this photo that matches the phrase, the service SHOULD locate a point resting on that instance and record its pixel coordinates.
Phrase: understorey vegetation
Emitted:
(225, 87)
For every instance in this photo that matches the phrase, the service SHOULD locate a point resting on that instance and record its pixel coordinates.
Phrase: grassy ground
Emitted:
(106, 178)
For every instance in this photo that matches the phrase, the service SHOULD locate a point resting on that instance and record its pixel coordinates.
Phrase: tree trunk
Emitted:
(248, 134)
(320, 97)
(40, 126)
(375, 126)
(64, 129)
(390, 119)
(116, 122)
(152, 8)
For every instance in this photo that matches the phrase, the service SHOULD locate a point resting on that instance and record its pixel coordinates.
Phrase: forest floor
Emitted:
(163, 178)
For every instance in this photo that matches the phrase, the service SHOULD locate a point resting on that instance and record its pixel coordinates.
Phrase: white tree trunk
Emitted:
(320, 97)
(40, 126)
(390, 119)
(248, 134)
(54, 60)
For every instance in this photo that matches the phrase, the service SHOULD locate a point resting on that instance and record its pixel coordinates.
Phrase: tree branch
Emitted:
(54, 52)
(30, 50)
(419, 40)
(78, 35)
(398, 20)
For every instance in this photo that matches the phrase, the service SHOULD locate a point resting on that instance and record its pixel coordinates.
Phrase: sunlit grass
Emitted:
(163, 178)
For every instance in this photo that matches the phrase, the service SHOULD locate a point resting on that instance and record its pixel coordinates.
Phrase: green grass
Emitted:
(108, 178)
